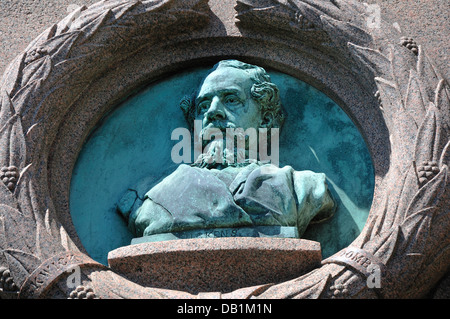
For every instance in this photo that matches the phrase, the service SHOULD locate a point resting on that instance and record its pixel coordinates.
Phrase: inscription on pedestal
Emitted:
(263, 231)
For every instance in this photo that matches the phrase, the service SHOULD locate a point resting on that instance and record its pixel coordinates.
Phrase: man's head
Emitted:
(238, 95)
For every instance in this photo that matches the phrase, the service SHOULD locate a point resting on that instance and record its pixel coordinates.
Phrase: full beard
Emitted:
(216, 154)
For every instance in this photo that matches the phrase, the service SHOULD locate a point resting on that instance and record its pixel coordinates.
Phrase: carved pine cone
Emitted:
(82, 292)
(427, 171)
(303, 22)
(6, 281)
(338, 291)
(378, 97)
(410, 44)
(9, 176)
(34, 55)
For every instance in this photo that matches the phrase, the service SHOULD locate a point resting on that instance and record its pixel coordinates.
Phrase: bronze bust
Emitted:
(216, 192)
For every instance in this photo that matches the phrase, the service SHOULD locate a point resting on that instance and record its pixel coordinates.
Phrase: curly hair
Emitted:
(263, 91)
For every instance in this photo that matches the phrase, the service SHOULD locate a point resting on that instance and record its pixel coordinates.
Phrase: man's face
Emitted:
(224, 100)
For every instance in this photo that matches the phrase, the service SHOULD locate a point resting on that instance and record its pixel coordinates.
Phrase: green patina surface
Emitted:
(131, 149)
(258, 231)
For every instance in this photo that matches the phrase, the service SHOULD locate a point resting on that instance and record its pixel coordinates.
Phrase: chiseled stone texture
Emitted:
(215, 264)
(21, 21)
(426, 21)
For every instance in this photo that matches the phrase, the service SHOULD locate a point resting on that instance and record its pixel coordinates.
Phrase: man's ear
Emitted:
(187, 105)
(267, 120)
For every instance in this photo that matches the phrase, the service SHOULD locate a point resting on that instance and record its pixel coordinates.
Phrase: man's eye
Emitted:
(202, 107)
(232, 100)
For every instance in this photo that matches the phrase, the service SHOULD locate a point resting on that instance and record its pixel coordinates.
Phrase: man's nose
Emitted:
(216, 110)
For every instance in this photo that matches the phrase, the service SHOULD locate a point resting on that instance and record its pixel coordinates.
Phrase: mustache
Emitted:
(217, 125)
(221, 125)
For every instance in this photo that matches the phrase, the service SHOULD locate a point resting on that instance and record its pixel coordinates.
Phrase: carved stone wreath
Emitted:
(406, 237)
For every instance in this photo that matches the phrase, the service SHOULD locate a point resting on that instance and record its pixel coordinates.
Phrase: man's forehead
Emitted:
(225, 79)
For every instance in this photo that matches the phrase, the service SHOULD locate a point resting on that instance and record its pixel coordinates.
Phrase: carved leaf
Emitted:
(428, 141)
(281, 16)
(301, 19)
(17, 146)
(12, 142)
(374, 223)
(7, 116)
(314, 291)
(412, 200)
(20, 263)
(430, 195)
(330, 8)
(401, 136)
(390, 99)
(404, 195)
(415, 244)
(11, 78)
(311, 285)
(383, 245)
(416, 230)
(373, 60)
(445, 156)
(112, 286)
(14, 223)
(23, 98)
(311, 12)
(6, 108)
(42, 38)
(65, 24)
(39, 69)
(89, 30)
(123, 8)
(63, 46)
(7, 198)
(416, 103)
(436, 264)
(427, 73)
(402, 61)
(436, 247)
(442, 103)
(42, 233)
(345, 32)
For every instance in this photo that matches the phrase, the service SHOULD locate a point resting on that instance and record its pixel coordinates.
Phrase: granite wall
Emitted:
(426, 21)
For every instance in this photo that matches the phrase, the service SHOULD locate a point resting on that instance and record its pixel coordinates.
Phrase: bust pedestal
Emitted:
(215, 264)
